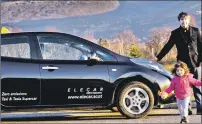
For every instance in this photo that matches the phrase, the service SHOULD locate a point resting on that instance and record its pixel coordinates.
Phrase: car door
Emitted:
(20, 76)
(67, 76)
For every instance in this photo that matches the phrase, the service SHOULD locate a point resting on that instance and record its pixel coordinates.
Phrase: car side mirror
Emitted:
(92, 62)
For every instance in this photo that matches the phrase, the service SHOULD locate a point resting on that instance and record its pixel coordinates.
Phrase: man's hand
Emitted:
(154, 59)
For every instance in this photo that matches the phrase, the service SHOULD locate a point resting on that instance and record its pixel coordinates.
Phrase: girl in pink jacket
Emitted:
(181, 84)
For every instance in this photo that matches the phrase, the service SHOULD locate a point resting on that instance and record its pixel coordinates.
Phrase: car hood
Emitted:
(152, 65)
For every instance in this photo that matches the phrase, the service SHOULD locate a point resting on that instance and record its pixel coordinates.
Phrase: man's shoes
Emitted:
(185, 120)
(190, 112)
(199, 112)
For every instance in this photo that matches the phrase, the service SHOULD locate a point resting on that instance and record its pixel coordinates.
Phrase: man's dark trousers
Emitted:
(197, 90)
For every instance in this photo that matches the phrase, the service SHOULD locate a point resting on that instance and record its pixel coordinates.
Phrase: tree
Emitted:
(135, 52)
(89, 35)
(104, 43)
(192, 20)
(16, 29)
(125, 40)
(51, 29)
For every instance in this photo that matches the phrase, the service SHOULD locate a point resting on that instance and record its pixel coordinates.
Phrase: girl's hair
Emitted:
(182, 65)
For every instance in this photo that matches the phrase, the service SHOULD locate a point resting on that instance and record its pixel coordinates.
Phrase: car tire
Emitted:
(114, 109)
(135, 100)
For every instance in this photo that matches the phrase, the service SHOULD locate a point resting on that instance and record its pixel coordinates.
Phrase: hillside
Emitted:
(16, 11)
(102, 19)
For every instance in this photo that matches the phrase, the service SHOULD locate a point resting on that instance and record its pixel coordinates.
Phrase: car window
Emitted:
(16, 47)
(56, 48)
(104, 56)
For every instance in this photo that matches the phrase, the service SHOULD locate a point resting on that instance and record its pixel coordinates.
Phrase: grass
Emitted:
(169, 66)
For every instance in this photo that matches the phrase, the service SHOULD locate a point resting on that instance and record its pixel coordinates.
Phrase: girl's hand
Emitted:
(159, 93)
(163, 95)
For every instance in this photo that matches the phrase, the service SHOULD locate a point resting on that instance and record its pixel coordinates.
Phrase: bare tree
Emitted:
(125, 40)
(104, 43)
(192, 20)
(158, 38)
(16, 29)
(89, 35)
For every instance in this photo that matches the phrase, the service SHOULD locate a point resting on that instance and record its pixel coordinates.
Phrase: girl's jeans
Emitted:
(183, 106)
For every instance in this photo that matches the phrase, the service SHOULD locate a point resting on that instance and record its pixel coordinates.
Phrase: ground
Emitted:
(168, 114)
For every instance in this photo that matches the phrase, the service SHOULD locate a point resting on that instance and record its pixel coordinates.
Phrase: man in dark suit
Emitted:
(189, 50)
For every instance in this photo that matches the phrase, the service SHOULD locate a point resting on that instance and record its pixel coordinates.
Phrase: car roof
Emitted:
(41, 33)
(35, 33)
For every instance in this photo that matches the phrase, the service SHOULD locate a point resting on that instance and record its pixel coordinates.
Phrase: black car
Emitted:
(46, 69)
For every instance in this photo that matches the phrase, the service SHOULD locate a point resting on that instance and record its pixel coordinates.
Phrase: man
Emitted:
(189, 50)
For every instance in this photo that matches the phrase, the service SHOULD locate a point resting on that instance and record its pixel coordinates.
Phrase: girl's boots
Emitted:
(185, 120)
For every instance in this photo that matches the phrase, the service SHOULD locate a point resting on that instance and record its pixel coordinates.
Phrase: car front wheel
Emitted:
(135, 100)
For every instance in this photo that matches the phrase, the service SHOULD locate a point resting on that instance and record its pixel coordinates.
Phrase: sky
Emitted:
(137, 16)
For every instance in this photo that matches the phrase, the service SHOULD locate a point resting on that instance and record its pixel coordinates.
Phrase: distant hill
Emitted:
(15, 11)
(138, 16)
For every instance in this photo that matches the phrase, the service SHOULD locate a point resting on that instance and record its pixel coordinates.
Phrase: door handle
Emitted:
(49, 68)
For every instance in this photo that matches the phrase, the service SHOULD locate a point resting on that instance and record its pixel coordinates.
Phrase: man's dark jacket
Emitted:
(189, 49)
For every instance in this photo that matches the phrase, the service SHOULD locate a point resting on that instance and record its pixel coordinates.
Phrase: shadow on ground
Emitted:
(71, 116)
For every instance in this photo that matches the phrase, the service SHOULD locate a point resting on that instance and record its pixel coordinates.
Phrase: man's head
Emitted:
(184, 19)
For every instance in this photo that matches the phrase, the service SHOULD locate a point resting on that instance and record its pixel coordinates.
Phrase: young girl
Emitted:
(181, 84)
